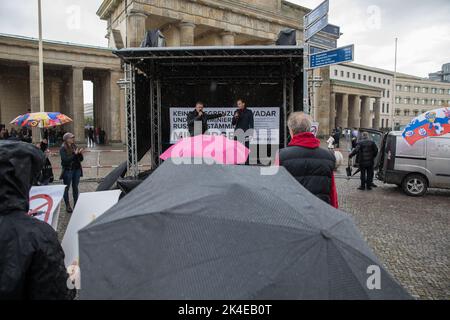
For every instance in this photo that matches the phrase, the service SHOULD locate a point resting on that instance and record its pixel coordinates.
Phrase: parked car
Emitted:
(426, 164)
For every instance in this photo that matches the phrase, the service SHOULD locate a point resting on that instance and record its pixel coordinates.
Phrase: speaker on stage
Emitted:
(287, 37)
(153, 38)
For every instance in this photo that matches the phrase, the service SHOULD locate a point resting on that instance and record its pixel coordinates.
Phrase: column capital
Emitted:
(77, 68)
(227, 33)
(33, 63)
(186, 24)
(135, 12)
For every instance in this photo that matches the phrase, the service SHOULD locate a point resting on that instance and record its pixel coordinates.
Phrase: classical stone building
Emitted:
(200, 23)
(414, 96)
(183, 23)
(65, 68)
(354, 95)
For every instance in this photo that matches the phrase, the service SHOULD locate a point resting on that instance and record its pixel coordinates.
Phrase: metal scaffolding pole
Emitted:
(130, 94)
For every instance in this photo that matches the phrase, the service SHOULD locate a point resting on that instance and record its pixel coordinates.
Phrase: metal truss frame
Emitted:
(155, 122)
(130, 98)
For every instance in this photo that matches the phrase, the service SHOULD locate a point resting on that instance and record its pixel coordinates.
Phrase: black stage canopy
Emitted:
(162, 77)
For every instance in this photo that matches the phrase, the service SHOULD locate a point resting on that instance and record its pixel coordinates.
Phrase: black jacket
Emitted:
(193, 117)
(366, 151)
(245, 120)
(313, 168)
(31, 258)
(70, 161)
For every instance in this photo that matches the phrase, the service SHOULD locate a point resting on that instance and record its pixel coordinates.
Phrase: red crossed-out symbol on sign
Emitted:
(48, 202)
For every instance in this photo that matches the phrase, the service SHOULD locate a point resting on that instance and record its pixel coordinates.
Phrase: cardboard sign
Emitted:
(89, 207)
(45, 203)
(315, 128)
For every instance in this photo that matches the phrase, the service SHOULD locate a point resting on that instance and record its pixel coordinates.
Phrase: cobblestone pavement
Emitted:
(411, 236)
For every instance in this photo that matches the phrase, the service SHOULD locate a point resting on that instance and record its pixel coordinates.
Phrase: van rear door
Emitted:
(438, 161)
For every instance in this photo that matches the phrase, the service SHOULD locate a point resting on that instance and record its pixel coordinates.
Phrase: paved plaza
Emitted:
(411, 236)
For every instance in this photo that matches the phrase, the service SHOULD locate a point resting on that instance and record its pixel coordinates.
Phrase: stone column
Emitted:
(55, 96)
(227, 38)
(187, 34)
(332, 123)
(354, 112)
(365, 112)
(77, 104)
(136, 28)
(172, 34)
(34, 97)
(344, 110)
(377, 113)
(115, 130)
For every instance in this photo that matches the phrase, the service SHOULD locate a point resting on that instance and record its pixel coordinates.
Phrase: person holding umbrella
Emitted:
(46, 175)
(71, 158)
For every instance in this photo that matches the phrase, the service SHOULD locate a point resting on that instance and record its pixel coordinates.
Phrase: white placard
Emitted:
(266, 121)
(315, 128)
(89, 207)
(45, 203)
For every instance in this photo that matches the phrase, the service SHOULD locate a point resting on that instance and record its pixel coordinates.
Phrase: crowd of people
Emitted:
(32, 260)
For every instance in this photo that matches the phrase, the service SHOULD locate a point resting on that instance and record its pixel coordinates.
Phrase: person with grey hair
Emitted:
(366, 150)
(310, 165)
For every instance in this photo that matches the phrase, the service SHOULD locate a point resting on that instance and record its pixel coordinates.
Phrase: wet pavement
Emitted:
(411, 236)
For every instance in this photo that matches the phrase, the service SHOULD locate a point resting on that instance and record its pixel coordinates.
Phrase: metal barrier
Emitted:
(56, 164)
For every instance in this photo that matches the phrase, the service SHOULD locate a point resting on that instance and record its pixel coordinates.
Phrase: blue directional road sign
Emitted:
(323, 42)
(331, 31)
(316, 27)
(326, 58)
(317, 13)
(313, 50)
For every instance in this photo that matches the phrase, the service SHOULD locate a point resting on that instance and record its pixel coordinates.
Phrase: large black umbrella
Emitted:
(227, 232)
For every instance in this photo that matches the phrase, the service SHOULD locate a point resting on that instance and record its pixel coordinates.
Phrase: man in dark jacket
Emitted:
(198, 118)
(243, 117)
(366, 150)
(243, 122)
(310, 165)
(31, 258)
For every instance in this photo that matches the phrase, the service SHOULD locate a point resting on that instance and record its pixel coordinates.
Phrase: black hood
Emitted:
(20, 165)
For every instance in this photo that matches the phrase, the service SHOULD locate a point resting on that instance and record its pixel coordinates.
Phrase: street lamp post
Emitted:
(41, 67)
(41, 62)
(395, 88)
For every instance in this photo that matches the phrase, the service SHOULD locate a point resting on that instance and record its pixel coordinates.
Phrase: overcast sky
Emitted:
(423, 28)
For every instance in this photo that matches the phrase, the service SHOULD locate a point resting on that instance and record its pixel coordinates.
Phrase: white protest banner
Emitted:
(266, 120)
(45, 203)
(89, 207)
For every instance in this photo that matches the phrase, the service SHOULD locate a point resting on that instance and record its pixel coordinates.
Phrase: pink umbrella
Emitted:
(216, 149)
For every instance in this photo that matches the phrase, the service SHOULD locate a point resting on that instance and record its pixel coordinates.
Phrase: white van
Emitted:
(426, 164)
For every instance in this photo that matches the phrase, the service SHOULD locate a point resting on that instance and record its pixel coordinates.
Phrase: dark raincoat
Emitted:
(31, 258)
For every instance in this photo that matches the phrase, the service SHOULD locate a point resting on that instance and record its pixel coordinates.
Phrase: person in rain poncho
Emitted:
(31, 258)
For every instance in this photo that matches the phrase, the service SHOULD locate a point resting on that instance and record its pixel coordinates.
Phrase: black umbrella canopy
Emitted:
(226, 232)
